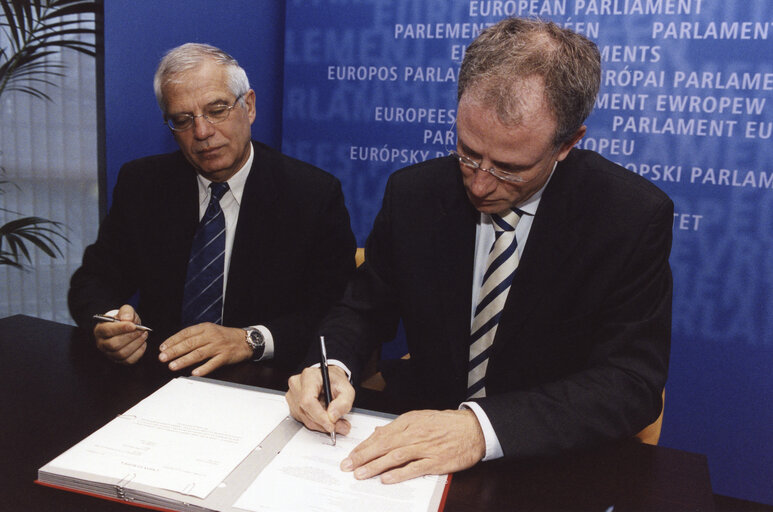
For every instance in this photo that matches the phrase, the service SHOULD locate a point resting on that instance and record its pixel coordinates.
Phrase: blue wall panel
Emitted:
(137, 34)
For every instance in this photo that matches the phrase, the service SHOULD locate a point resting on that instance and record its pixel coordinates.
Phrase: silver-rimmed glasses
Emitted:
(513, 177)
(214, 114)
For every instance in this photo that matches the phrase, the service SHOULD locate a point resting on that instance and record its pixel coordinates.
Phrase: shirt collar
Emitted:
(235, 183)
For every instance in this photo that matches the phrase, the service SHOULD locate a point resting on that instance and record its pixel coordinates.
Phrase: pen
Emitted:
(103, 318)
(326, 381)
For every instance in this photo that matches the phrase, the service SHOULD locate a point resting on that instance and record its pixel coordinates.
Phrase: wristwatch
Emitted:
(256, 341)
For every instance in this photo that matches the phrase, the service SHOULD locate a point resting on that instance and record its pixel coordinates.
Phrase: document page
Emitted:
(186, 437)
(305, 475)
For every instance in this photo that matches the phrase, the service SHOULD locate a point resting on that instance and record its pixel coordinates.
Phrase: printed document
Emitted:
(186, 437)
(305, 475)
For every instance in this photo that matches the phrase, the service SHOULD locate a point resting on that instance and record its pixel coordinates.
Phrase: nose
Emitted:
(483, 183)
(202, 128)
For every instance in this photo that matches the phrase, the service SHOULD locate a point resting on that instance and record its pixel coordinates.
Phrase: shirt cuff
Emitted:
(493, 448)
(336, 362)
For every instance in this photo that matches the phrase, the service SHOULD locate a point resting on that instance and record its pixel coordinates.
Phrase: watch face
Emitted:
(256, 337)
(256, 342)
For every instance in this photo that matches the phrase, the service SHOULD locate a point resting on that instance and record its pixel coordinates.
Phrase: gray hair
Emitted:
(190, 56)
(505, 56)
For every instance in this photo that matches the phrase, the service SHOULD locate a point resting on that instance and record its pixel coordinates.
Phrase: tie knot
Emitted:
(507, 221)
(218, 189)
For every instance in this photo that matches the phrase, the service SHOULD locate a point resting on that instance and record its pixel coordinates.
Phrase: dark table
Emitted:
(57, 389)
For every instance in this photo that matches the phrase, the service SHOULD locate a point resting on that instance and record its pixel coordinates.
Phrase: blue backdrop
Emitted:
(370, 85)
(137, 34)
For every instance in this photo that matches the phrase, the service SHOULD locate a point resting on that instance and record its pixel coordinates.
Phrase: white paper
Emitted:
(186, 437)
(306, 475)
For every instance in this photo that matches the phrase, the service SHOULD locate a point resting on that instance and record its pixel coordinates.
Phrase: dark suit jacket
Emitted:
(581, 352)
(293, 249)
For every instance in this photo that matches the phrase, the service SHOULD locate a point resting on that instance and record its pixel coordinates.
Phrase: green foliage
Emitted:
(41, 233)
(31, 32)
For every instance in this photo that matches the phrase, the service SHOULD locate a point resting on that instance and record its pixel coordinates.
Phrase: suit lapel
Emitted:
(180, 222)
(454, 239)
(551, 242)
(256, 230)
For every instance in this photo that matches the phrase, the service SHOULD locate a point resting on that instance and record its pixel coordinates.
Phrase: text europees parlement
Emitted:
(469, 31)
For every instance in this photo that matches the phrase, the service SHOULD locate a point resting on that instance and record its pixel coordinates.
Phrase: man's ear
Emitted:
(249, 103)
(563, 151)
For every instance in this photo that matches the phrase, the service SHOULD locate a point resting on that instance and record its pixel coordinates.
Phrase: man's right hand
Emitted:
(303, 397)
(122, 341)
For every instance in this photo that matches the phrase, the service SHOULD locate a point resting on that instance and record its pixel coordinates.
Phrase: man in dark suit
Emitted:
(286, 246)
(577, 351)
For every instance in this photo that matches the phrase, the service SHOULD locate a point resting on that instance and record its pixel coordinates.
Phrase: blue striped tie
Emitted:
(502, 262)
(203, 293)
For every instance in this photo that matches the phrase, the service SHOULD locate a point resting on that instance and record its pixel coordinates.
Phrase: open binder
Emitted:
(148, 458)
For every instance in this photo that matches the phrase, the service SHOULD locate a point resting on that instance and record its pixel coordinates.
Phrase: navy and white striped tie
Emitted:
(502, 262)
(203, 293)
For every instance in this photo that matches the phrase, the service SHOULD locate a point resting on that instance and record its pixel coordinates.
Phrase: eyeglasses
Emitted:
(214, 114)
(512, 177)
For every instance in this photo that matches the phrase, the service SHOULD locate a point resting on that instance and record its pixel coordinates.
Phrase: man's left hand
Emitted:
(215, 344)
(419, 443)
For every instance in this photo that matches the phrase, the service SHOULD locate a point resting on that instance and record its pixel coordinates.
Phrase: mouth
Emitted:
(485, 205)
(207, 152)
(480, 201)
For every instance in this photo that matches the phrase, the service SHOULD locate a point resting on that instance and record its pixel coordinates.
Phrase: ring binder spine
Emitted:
(120, 487)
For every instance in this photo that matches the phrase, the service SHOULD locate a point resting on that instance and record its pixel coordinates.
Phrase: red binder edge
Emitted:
(445, 493)
(149, 507)
(108, 498)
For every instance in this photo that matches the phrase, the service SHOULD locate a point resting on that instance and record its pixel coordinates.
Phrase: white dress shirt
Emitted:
(230, 203)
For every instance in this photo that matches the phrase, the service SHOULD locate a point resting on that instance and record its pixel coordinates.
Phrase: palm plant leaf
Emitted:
(33, 31)
(36, 30)
(42, 233)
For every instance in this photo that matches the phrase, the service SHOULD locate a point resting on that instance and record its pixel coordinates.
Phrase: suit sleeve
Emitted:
(329, 264)
(367, 315)
(619, 391)
(107, 276)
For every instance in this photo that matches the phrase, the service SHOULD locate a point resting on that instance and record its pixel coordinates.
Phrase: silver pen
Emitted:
(103, 318)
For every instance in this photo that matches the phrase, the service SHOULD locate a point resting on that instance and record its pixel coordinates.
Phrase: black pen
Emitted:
(103, 318)
(326, 381)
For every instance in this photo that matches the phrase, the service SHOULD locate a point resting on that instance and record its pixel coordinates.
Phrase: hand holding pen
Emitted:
(305, 388)
(121, 337)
